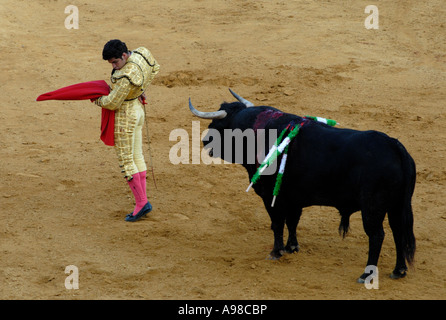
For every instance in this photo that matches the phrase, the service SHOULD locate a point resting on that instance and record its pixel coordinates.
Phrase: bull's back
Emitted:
(337, 167)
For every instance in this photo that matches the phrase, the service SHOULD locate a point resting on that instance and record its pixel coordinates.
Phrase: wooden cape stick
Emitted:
(148, 144)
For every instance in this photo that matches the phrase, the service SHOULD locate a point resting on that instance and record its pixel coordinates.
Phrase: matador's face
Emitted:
(118, 63)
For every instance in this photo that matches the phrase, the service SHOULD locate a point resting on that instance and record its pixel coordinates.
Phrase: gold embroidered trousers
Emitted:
(129, 121)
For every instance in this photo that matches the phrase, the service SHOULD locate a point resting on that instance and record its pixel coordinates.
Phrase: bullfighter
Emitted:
(132, 73)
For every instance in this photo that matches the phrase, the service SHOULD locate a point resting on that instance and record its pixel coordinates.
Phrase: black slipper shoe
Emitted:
(145, 210)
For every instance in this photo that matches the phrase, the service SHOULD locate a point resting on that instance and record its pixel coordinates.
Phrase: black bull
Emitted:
(347, 169)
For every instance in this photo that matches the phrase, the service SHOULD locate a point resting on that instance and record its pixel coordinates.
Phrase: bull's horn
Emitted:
(242, 100)
(220, 114)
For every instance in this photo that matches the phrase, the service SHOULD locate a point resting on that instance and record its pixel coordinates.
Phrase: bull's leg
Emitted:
(396, 226)
(277, 217)
(277, 226)
(373, 226)
(292, 220)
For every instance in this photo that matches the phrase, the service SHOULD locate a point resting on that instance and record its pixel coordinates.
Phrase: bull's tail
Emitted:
(404, 213)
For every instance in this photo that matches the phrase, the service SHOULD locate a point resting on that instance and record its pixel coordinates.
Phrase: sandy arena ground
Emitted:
(63, 199)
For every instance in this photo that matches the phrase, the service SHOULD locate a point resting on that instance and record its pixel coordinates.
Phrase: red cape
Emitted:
(84, 91)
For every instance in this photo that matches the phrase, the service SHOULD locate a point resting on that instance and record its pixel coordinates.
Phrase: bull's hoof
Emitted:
(398, 274)
(362, 278)
(275, 255)
(291, 249)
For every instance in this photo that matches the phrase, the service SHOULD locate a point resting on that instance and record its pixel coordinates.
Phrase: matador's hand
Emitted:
(96, 101)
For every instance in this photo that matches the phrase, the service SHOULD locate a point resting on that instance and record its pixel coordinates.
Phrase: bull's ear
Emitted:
(241, 99)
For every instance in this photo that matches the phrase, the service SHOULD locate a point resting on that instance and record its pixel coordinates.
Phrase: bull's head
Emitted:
(220, 114)
(221, 120)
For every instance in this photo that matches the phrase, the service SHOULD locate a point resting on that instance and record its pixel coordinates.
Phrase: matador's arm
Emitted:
(117, 96)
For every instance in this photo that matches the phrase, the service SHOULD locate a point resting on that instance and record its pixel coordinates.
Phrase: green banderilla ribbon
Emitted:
(280, 175)
(330, 122)
(276, 150)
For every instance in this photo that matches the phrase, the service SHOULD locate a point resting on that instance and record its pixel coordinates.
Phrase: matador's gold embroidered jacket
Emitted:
(131, 80)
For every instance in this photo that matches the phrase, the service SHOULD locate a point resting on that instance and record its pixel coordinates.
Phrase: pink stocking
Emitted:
(138, 192)
(142, 181)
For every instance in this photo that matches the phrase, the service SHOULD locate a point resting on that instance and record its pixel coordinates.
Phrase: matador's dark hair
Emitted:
(114, 49)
